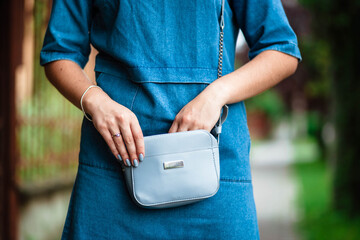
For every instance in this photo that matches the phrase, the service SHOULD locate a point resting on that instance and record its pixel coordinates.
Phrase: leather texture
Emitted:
(217, 128)
(152, 186)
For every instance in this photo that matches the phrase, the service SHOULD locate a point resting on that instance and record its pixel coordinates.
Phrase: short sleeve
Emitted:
(265, 26)
(67, 34)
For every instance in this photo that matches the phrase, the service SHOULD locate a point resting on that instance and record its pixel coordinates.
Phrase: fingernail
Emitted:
(119, 157)
(141, 157)
(136, 163)
(128, 162)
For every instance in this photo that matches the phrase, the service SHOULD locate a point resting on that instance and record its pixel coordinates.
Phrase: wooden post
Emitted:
(11, 29)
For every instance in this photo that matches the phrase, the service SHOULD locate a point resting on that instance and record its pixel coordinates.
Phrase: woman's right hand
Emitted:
(110, 118)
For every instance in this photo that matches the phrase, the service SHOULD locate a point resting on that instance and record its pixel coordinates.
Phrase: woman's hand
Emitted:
(200, 113)
(110, 118)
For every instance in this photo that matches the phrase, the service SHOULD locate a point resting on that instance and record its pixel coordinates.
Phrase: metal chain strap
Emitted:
(221, 40)
(220, 60)
(220, 54)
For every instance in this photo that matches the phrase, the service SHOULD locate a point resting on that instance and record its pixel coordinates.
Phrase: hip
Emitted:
(229, 214)
(156, 105)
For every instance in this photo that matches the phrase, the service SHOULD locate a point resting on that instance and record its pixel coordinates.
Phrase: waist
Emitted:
(234, 147)
(158, 74)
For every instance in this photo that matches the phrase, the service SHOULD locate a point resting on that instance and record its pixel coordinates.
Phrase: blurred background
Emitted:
(305, 148)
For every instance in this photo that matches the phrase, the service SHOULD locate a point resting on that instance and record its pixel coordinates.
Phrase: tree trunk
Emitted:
(337, 22)
(346, 50)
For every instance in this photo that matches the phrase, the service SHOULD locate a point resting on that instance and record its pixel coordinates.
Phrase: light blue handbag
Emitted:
(181, 167)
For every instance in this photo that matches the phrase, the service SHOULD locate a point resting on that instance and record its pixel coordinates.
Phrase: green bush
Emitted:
(318, 221)
(268, 102)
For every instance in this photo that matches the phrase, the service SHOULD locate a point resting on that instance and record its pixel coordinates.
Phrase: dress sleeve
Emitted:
(265, 26)
(67, 34)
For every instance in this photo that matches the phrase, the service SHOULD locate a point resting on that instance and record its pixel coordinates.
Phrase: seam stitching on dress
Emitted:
(66, 53)
(214, 69)
(235, 180)
(132, 103)
(189, 82)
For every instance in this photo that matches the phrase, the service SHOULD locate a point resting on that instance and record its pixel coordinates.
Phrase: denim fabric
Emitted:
(164, 41)
(100, 207)
(154, 57)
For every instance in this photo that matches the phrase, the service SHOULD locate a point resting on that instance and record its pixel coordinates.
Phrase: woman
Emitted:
(157, 69)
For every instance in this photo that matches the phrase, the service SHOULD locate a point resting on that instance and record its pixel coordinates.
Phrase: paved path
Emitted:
(274, 189)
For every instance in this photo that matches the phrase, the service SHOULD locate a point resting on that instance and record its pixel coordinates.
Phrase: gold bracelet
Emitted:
(81, 99)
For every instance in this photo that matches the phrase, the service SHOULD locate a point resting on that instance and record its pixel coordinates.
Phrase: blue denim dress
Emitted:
(155, 57)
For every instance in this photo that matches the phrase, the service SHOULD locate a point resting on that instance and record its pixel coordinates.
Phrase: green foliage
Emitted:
(318, 221)
(268, 102)
(314, 123)
(318, 60)
(50, 123)
(48, 135)
(306, 149)
(337, 22)
(48, 132)
(41, 11)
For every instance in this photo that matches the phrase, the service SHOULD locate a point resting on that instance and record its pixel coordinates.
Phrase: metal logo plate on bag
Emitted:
(173, 164)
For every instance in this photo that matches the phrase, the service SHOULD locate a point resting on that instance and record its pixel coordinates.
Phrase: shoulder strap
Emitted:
(225, 109)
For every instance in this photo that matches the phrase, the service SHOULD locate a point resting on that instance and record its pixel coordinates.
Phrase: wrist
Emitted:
(218, 92)
(91, 99)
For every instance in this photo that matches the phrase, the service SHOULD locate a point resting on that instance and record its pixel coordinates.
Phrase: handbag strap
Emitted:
(225, 109)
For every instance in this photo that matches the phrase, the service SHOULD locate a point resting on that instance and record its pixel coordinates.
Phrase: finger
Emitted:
(195, 126)
(129, 143)
(120, 146)
(174, 127)
(138, 138)
(198, 125)
(185, 123)
(182, 128)
(104, 132)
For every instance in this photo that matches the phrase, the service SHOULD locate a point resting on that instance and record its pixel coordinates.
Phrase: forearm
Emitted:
(70, 80)
(261, 73)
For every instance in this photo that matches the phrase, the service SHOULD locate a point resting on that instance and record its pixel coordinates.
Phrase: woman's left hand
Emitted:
(200, 113)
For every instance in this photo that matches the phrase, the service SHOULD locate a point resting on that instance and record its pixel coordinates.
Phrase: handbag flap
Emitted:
(178, 141)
